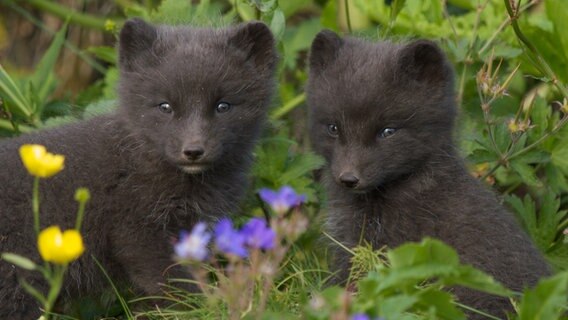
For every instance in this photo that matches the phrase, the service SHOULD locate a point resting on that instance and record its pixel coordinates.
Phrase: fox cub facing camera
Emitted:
(178, 149)
(382, 115)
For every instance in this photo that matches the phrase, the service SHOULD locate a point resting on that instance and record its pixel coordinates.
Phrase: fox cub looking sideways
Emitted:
(382, 115)
(177, 150)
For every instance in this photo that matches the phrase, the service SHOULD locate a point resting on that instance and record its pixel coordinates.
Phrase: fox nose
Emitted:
(193, 152)
(349, 180)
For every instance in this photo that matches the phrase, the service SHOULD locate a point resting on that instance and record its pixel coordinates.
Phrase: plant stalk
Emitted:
(66, 13)
(35, 205)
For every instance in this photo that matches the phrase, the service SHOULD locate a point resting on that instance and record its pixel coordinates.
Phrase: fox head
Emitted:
(378, 111)
(196, 96)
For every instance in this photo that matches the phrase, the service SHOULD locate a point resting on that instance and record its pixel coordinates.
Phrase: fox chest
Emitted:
(391, 225)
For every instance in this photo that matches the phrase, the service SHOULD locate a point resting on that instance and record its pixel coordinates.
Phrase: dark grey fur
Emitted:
(412, 183)
(133, 161)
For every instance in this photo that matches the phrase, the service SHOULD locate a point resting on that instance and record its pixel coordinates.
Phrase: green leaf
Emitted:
(105, 53)
(535, 156)
(518, 145)
(411, 276)
(558, 256)
(556, 179)
(547, 300)
(33, 291)
(19, 261)
(435, 12)
(395, 307)
(272, 155)
(43, 79)
(473, 278)
(368, 286)
(290, 7)
(428, 251)
(334, 295)
(559, 157)
(549, 218)
(245, 10)
(395, 7)
(441, 302)
(458, 49)
(540, 117)
(174, 12)
(502, 51)
(556, 11)
(543, 227)
(99, 108)
(548, 45)
(301, 165)
(298, 39)
(278, 24)
(328, 17)
(481, 156)
(9, 90)
(111, 82)
(263, 5)
(526, 172)
(502, 137)
(526, 212)
(466, 4)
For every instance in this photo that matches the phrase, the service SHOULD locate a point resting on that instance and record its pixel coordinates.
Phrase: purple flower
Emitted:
(193, 245)
(362, 316)
(228, 240)
(258, 235)
(282, 200)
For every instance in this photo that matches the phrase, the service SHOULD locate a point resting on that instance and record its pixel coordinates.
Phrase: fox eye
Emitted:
(333, 130)
(165, 107)
(223, 107)
(387, 132)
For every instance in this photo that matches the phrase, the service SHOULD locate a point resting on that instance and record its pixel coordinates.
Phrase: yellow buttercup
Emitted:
(60, 248)
(39, 162)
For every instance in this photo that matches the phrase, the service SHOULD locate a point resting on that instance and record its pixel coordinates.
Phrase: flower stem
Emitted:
(289, 106)
(56, 282)
(35, 205)
(348, 16)
(540, 62)
(80, 214)
(64, 12)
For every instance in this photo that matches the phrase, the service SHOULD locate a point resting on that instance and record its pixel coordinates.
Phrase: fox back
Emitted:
(382, 115)
(192, 103)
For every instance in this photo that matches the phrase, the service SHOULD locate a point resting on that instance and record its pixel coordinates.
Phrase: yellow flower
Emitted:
(513, 126)
(60, 248)
(39, 162)
(110, 25)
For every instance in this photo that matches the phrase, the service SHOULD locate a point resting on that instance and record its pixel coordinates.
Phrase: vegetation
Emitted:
(510, 59)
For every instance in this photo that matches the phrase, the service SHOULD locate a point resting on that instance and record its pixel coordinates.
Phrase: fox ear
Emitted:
(256, 41)
(136, 39)
(324, 50)
(424, 61)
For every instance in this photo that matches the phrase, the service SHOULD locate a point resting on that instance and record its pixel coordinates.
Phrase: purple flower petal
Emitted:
(360, 316)
(193, 245)
(282, 200)
(258, 235)
(228, 240)
(290, 197)
(267, 195)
